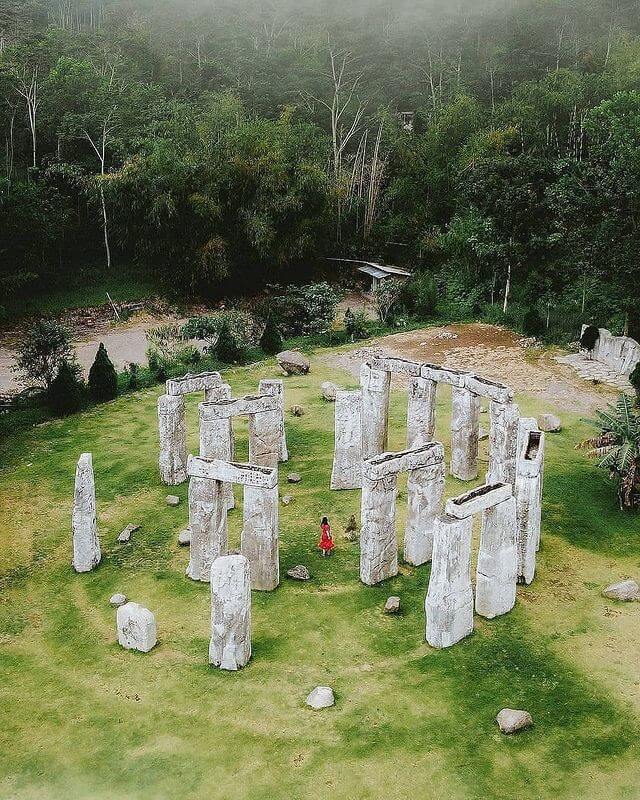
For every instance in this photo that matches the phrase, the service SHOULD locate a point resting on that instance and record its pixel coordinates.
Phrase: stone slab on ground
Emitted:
(627, 591)
(591, 370)
(321, 697)
(392, 606)
(299, 573)
(125, 535)
(511, 720)
(173, 500)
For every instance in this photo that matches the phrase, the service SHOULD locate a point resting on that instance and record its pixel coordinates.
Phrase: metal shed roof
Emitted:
(375, 270)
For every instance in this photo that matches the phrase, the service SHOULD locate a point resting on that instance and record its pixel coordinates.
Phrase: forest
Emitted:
(219, 146)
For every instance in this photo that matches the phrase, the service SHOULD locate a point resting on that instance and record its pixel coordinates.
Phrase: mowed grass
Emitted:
(82, 718)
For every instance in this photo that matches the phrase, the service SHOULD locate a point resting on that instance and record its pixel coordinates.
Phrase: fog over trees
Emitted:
(493, 147)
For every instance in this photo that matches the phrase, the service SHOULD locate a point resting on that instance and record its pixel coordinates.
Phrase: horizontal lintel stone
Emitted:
(453, 377)
(490, 389)
(397, 366)
(230, 472)
(189, 384)
(479, 499)
(239, 406)
(406, 460)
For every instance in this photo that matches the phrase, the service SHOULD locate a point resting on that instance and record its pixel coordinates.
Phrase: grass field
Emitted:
(82, 718)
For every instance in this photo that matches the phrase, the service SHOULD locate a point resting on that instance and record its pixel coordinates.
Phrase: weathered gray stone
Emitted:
(549, 423)
(293, 362)
(189, 384)
(425, 488)
(378, 540)
(265, 436)
(375, 385)
(347, 454)
(626, 591)
(230, 646)
(118, 599)
(259, 541)
(392, 606)
(396, 366)
(216, 435)
(299, 573)
(173, 439)
(321, 697)
(287, 499)
(494, 391)
(172, 500)
(528, 492)
(477, 500)
(208, 526)
(84, 521)
(125, 535)
(294, 477)
(465, 426)
(240, 407)
(136, 627)
(329, 391)
(297, 411)
(243, 474)
(421, 412)
(511, 720)
(270, 386)
(503, 442)
(184, 537)
(452, 377)
(497, 561)
(449, 603)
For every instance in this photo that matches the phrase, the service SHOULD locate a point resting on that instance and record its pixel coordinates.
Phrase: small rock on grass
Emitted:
(512, 720)
(125, 535)
(294, 477)
(184, 537)
(625, 591)
(173, 500)
(286, 499)
(321, 697)
(550, 423)
(328, 391)
(392, 606)
(299, 573)
(118, 599)
(297, 411)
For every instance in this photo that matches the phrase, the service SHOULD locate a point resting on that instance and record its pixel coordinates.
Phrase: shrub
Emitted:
(239, 324)
(532, 322)
(41, 352)
(103, 379)
(271, 340)
(420, 294)
(634, 379)
(65, 395)
(134, 377)
(227, 348)
(589, 337)
(355, 325)
(304, 310)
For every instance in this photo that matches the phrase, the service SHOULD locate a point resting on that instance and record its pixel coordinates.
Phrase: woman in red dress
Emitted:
(326, 543)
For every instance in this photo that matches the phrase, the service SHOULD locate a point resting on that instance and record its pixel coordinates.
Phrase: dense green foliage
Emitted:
(271, 340)
(40, 352)
(589, 337)
(222, 149)
(103, 379)
(634, 379)
(66, 393)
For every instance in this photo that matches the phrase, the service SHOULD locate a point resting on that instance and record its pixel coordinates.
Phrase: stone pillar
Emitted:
(378, 540)
(259, 542)
(265, 438)
(503, 442)
(421, 412)
(465, 432)
(375, 385)
(497, 560)
(528, 491)
(449, 603)
(216, 435)
(84, 522)
(230, 646)
(276, 387)
(425, 488)
(208, 524)
(173, 439)
(347, 454)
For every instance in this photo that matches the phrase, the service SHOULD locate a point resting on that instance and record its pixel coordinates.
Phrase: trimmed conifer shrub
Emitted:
(227, 348)
(66, 392)
(103, 379)
(271, 340)
(532, 323)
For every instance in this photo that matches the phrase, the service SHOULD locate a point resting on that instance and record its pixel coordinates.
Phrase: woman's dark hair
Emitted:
(325, 521)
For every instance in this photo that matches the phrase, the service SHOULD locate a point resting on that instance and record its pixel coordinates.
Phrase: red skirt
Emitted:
(326, 544)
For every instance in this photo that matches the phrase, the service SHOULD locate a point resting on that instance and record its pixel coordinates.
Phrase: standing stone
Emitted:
(528, 492)
(173, 439)
(378, 540)
(84, 522)
(497, 560)
(465, 430)
(136, 627)
(375, 385)
(259, 541)
(208, 525)
(230, 646)
(421, 412)
(216, 435)
(503, 442)
(276, 387)
(449, 603)
(347, 454)
(425, 489)
(265, 438)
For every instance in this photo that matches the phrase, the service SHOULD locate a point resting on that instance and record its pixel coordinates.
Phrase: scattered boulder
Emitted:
(329, 390)
(625, 590)
(286, 499)
(321, 697)
(392, 606)
(184, 537)
(297, 411)
(293, 362)
(549, 423)
(136, 627)
(511, 720)
(173, 500)
(118, 599)
(294, 477)
(125, 535)
(299, 573)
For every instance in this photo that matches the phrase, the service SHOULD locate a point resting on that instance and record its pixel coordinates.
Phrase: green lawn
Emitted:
(82, 718)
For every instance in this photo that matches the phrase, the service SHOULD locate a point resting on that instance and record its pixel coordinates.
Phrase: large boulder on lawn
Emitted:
(299, 573)
(321, 697)
(329, 390)
(512, 720)
(625, 590)
(293, 362)
(549, 423)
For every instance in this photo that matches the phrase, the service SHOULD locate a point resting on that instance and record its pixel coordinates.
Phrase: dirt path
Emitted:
(492, 352)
